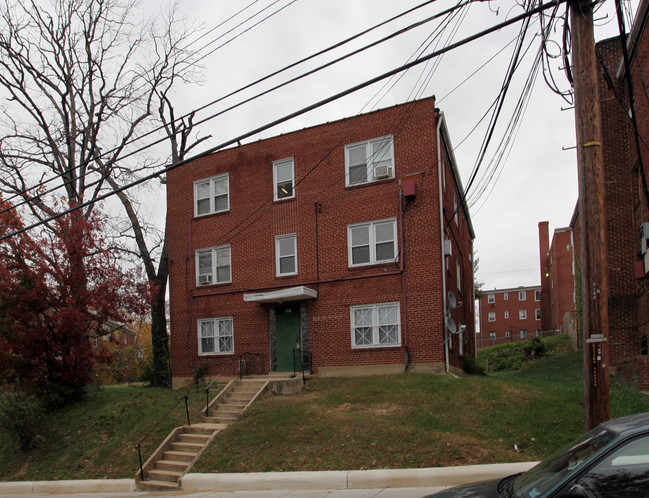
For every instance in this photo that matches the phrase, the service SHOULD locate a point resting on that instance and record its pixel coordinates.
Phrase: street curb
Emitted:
(337, 479)
(352, 479)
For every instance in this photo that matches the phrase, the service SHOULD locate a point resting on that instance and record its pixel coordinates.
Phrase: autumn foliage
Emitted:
(56, 289)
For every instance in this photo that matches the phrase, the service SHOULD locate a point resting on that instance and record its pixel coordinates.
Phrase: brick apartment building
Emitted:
(558, 268)
(509, 315)
(349, 240)
(625, 159)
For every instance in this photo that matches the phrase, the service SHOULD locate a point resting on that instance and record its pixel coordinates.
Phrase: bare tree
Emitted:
(81, 78)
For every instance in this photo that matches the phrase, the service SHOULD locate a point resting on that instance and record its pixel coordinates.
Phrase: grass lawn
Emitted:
(396, 421)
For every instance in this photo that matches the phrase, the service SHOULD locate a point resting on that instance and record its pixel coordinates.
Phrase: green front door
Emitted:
(288, 336)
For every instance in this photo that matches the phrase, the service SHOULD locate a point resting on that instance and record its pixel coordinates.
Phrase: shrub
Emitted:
(537, 346)
(21, 415)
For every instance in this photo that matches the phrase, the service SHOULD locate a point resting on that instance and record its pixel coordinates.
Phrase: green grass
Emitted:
(396, 421)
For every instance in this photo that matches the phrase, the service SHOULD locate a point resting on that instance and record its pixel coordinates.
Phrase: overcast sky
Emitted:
(537, 180)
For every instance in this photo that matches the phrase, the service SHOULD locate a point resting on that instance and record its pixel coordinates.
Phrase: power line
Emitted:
(304, 110)
(245, 87)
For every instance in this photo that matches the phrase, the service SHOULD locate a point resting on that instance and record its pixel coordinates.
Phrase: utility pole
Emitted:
(592, 219)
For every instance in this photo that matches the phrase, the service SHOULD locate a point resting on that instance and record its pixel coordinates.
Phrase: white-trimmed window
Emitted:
(521, 295)
(523, 334)
(522, 314)
(458, 274)
(506, 314)
(507, 333)
(286, 255)
(538, 314)
(537, 295)
(491, 298)
(213, 266)
(212, 195)
(372, 243)
(215, 336)
(284, 179)
(506, 296)
(492, 316)
(492, 336)
(375, 325)
(369, 161)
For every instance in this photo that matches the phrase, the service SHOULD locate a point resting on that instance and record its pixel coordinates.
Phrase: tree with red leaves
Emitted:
(56, 289)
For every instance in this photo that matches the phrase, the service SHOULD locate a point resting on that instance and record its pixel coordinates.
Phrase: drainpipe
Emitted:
(404, 328)
(440, 119)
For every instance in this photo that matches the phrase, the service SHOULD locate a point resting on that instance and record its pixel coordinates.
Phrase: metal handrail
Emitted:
(301, 357)
(227, 364)
(138, 446)
(247, 361)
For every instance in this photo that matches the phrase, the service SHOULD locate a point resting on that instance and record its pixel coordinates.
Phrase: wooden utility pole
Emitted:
(592, 218)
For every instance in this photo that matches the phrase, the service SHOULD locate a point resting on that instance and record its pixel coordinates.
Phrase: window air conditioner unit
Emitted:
(644, 235)
(204, 279)
(448, 248)
(382, 172)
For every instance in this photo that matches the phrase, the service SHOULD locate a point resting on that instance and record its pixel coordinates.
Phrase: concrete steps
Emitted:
(233, 400)
(164, 470)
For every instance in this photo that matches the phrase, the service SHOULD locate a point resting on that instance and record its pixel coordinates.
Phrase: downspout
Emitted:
(440, 119)
(403, 281)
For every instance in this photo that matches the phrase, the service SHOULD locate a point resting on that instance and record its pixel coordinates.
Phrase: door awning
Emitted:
(299, 293)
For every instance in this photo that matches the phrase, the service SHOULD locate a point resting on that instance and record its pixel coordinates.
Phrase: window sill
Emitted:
(378, 347)
(370, 183)
(209, 215)
(216, 354)
(283, 200)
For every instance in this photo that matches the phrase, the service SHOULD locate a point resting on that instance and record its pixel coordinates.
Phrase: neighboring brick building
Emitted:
(558, 299)
(335, 239)
(626, 199)
(509, 315)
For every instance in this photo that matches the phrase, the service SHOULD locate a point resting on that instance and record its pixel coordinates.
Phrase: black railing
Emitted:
(248, 364)
(253, 364)
(302, 362)
(138, 446)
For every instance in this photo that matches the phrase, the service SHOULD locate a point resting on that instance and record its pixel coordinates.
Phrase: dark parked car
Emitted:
(612, 460)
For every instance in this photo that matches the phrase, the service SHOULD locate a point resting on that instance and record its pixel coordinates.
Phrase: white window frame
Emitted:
(217, 256)
(492, 336)
(373, 312)
(506, 296)
(523, 333)
(372, 243)
(507, 333)
(458, 275)
(279, 256)
(279, 164)
(538, 313)
(372, 151)
(506, 314)
(220, 325)
(491, 298)
(537, 295)
(522, 295)
(491, 316)
(522, 314)
(212, 183)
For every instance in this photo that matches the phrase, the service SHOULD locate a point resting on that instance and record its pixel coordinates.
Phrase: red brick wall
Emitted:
(319, 215)
(561, 278)
(512, 325)
(620, 199)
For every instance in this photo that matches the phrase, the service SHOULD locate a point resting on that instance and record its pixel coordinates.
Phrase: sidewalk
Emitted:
(356, 483)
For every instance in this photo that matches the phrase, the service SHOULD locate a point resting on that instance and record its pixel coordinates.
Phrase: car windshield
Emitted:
(544, 476)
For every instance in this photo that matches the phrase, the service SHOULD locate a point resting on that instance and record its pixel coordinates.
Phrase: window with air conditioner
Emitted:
(213, 266)
(369, 161)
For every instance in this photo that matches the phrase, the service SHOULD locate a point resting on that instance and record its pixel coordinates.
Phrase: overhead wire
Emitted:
(521, 17)
(245, 87)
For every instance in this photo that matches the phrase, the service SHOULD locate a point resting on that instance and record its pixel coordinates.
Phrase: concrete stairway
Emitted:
(175, 456)
(163, 471)
(233, 400)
